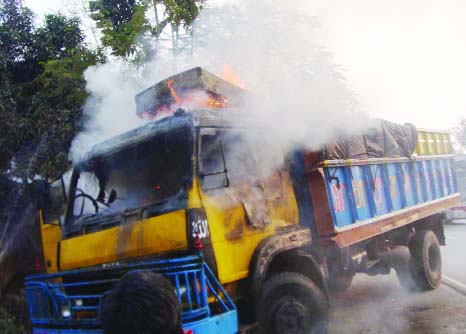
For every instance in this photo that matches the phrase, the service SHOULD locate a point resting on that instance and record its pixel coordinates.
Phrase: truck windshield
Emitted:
(141, 175)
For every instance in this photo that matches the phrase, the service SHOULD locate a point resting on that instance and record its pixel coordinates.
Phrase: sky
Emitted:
(41, 7)
(405, 60)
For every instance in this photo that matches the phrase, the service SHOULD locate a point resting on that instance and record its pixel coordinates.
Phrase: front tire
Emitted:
(291, 303)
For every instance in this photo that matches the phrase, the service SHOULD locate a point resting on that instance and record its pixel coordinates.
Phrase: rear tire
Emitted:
(424, 270)
(291, 303)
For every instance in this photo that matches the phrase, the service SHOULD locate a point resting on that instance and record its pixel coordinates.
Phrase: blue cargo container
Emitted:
(347, 199)
(361, 191)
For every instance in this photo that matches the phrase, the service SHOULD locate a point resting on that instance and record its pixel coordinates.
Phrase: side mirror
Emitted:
(112, 197)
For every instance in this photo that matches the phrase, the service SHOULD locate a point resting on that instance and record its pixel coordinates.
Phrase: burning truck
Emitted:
(192, 196)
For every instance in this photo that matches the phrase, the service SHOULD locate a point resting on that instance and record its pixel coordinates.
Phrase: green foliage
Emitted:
(126, 27)
(16, 41)
(42, 92)
(55, 101)
(121, 22)
(460, 133)
(182, 12)
(57, 38)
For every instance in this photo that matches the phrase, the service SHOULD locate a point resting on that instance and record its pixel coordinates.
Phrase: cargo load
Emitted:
(384, 139)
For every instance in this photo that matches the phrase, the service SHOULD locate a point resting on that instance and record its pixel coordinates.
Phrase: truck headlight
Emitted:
(65, 311)
(78, 302)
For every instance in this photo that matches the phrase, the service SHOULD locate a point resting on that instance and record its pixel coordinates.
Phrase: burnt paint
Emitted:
(271, 247)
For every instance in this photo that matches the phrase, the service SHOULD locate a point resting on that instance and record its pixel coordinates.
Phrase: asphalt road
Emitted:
(379, 305)
(454, 255)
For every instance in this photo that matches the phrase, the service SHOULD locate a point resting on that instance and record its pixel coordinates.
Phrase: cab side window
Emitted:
(225, 160)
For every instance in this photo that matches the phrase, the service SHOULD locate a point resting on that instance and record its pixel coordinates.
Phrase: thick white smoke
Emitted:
(296, 92)
(404, 58)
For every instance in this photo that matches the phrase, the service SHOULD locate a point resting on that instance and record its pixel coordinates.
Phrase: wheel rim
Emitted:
(291, 317)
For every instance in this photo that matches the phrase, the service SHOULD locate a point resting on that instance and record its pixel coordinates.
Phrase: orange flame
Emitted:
(194, 99)
(229, 75)
(220, 102)
(175, 96)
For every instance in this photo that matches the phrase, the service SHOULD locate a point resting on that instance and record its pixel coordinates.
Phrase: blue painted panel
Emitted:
(438, 177)
(360, 192)
(445, 177)
(337, 187)
(379, 190)
(451, 176)
(226, 323)
(420, 181)
(429, 180)
(394, 186)
(409, 186)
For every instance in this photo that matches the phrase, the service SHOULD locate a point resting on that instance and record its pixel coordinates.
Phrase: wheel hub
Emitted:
(433, 256)
(291, 317)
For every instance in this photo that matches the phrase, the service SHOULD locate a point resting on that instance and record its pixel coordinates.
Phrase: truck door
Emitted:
(233, 193)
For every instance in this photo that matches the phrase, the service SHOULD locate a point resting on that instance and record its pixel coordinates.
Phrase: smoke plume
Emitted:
(297, 94)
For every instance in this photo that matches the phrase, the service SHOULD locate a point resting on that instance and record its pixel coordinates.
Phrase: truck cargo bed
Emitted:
(353, 200)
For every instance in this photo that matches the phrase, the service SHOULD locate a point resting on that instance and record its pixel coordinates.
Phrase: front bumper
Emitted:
(225, 323)
(80, 293)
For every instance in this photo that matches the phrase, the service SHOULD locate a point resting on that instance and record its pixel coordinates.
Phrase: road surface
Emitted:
(454, 255)
(376, 305)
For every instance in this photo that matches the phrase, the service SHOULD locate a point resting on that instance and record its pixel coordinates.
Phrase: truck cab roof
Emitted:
(181, 118)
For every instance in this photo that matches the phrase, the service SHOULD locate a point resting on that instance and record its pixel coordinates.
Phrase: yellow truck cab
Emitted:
(155, 189)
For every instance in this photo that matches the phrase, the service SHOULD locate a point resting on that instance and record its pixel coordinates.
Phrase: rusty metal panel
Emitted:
(192, 80)
(320, 202)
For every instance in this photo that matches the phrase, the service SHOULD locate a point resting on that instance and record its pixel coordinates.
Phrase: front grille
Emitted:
(72, 299)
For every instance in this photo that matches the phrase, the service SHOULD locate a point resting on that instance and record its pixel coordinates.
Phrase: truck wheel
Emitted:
(291, 303)
(426, 260)
(424, 270)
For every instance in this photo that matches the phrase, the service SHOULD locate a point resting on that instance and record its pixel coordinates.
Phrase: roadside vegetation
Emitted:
(43, 94)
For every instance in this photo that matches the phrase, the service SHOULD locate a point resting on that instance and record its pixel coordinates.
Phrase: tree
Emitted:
(42, 92)
(181, 13)
(16, 41)
(460, 133)
(55, 111)
(128, 29)
(121, 22)
(58, 38)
